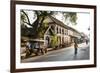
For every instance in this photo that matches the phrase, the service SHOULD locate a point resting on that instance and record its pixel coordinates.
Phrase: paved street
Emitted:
(64, 54)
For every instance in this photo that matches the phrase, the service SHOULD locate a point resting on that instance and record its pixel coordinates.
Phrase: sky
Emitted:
(83, 22)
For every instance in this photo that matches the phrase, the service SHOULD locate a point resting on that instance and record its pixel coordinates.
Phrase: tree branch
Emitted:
(26, 22)
(27, 18)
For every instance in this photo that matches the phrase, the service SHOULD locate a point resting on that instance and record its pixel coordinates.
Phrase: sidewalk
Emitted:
(51, 50)
(51, 54)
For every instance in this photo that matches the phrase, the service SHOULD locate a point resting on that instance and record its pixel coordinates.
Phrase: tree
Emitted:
(37, 25)
(54, 41)
(71, 15)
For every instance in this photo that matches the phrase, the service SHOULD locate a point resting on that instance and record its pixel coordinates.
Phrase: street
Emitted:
(65, 54)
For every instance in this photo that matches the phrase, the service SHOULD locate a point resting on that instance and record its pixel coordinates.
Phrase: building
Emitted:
(65, 35)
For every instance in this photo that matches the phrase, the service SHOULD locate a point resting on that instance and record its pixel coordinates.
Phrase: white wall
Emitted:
(5, 37)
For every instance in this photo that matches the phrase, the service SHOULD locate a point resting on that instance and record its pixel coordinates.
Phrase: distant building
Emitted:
(84, 37)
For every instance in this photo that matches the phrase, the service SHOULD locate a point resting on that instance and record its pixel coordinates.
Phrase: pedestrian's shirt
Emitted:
(75, 45)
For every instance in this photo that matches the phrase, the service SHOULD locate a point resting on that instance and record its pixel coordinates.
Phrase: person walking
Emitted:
(75, 46)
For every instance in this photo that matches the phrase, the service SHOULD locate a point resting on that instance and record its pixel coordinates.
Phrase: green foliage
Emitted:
(42, 30)
(22, 17)
(71, 15)
(54, 41)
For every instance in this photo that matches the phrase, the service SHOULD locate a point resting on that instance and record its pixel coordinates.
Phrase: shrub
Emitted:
(54, 41)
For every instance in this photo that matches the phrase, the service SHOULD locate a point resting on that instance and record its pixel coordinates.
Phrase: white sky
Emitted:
(83, 22)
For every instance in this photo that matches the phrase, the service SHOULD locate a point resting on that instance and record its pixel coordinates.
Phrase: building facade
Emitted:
(65, 34)
(61, 33)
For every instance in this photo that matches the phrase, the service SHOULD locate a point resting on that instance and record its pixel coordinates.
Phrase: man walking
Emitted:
(75, 46)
